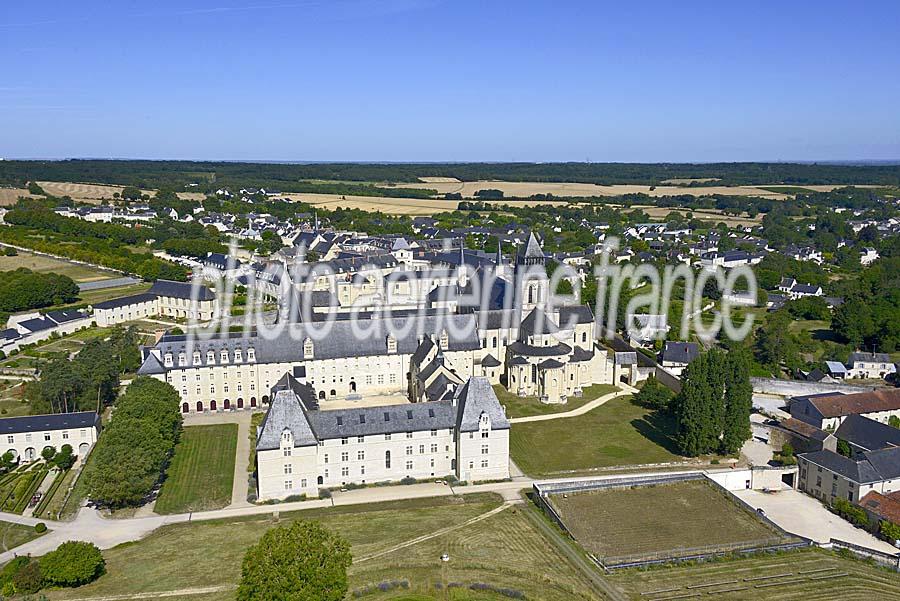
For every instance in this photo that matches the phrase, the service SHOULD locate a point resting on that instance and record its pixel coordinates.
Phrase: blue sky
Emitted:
(430, 80)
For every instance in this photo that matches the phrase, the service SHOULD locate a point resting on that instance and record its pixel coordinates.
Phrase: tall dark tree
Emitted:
(738, 401)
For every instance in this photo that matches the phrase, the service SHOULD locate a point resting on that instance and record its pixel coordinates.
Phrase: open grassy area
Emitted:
(92, 297)
(503, 549)
(202, 470)
(801, 575)
(662, 520)
(616, 433)
(13, 535)
(517, 406)
(42, 264)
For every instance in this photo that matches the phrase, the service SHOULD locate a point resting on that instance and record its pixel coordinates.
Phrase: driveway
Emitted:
(805, 516)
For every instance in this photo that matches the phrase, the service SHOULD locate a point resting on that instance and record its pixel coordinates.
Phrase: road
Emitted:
(589, 406)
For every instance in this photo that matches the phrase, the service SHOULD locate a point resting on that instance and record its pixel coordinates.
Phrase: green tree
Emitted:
(28, 579)
(738, 402)
(73, 563)
(690, 408)
(300, 562)
(843, 448)
(48, 453)
(654, 395)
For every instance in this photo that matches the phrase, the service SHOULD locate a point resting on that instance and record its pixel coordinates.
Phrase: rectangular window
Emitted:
(345, 471)
(288, 469)
(361, 455)
(409, 434)
(47, 436)
(432, 463)
(484, 449)
(326, 458)
(409, 465)
(360, 439)
(421, 449)
(434, 432)
(344, 441)
(484, 463)
(288, 485)
(362, 470)
(387, 436)
(485, 433)
(287, 451)
(28, 437)
(409, 450)
(10, 439)
(434, 448)
(345, 457)
(303, 483)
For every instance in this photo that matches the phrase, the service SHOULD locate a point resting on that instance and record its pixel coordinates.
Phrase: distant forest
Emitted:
(350, 176)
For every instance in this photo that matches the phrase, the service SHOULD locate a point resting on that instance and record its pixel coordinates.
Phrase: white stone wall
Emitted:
(483, 455)
(111, 317)
(28, 445)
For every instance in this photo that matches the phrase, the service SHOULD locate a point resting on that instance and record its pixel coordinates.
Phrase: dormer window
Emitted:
(196, 357)
(391, 344)
(223, 356)
(238, 356)
(251, 354)
(484, 421)
(286, 437)
(167, 360)
(308, 348)
(210, 357)
(445, 339)
(182, 359)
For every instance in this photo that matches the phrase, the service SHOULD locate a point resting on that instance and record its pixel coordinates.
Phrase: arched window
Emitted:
(584, 336)
(333, 392)
(185, 407)
(321, 394)
(308, 348)
(387, 460)
(199, 406)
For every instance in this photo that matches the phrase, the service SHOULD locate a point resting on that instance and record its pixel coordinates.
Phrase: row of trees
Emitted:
(23, 289)
(89, 381)
(712, 411)
(135, 448)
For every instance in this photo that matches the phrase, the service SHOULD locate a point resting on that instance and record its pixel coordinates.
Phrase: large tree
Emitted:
(738, 402)
(300, 562)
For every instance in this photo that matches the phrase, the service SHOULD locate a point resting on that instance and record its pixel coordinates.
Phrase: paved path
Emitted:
(44, 486)
(589, 406)
(805, 516)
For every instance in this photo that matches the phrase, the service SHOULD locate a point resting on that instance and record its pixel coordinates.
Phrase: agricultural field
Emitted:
(712, 215)
(45, 264)
(97, 193)
(201, 473)
(10, 196)
(13, 535)
(787, 576)
(617, 433)
(572, 189)
(517, 406)
(400, 540)
(660, 521)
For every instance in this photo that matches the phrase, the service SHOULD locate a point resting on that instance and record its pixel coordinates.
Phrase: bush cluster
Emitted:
(73, 563)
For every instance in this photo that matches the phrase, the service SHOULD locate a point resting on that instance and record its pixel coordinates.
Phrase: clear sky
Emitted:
(454, 80)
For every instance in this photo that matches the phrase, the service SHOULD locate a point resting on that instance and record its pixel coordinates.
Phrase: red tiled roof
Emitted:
(863, 402)
(887, 508)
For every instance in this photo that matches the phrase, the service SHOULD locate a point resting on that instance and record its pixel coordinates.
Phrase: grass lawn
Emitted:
(616, 433)
(202, 470)
(517, 406)
(503, 550)
(840, 578)
(13, 535)
(664, 519)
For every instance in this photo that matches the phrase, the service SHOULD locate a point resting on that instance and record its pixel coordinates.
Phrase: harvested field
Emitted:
(713, 215)
(572, 189)
(9, 196)
(681, 181)
(439, 180)
(393, 206)
(93, 193)
(792, 576)
(666, 520)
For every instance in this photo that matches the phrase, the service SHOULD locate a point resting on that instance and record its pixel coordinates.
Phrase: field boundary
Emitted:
(886, 559)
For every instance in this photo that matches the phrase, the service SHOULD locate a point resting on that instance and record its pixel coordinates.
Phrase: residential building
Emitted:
(828, 410)
(827, 475)
(181, 300)
(676, 356)
(28, 435)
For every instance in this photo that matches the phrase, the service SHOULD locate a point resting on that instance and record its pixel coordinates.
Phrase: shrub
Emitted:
(27, 579)
(40, 527)
(10, 569)
(72, 564)
(324, 493)
(293, 498)
(407, 480)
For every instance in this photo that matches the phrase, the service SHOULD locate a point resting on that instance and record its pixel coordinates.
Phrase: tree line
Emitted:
(23, 289)
(133, 451)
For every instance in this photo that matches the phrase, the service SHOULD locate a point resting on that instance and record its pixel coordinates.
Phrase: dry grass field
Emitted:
(713, 215)
(44, 264)
(570, 189)
(94, 193)
(681, 181)
(439, 180)
(394, 206)
(664, 520)
(9, 196)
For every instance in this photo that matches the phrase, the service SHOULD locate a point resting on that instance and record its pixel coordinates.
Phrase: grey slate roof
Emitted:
(285, 412)
(861, 472)
(388, 419)
(579, 355)
(440, 388)
(37, 324)
(886, 462)
(550, 364)
(537, 322)
(868, 433)
(9, 334)
(55, 421)
(476, 397)
(869, 357)
(125, 301)
(490, 361)
(680, 352)
(337, 340)
(533, 248)
(520, 348)
(172, 289)
(151, 365)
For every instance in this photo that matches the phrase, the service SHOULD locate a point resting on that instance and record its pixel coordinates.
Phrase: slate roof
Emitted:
(336, 340)
(550, 364)
(37, 324)
(532, 248)
(869, 357)
(9, 334)
(861, 471)
(680, 352)
(579, 355)
(868, 433)
(54, 421)
(520, 348)
(285, 412)
(537, 322)
(440, 388)
(171, 289)
(65, 316)
(575, 314)
(474, 398)
(490, 361)
(388, 419)
(863, 402)
(125, 301)
(886, 462)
